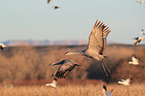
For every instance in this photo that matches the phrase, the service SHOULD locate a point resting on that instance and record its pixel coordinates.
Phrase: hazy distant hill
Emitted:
(46, 42)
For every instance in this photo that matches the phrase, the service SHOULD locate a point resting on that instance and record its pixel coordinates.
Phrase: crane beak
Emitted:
(50, 64)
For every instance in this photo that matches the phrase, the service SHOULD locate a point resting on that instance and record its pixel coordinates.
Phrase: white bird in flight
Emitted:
(53, 84)
(105, 91)
(143, 32)
(134, 61)
(137, 40)
(55, 7)
(2, 46)
(97, 43)
(125, 82)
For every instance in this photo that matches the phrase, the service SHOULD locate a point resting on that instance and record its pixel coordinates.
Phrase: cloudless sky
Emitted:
(37, 20)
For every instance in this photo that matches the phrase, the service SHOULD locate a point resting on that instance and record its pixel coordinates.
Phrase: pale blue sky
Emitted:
(35, 19)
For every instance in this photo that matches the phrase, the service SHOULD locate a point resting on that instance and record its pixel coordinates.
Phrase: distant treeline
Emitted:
(32, 63)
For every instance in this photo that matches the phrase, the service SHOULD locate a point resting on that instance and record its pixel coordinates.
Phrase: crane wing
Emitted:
(97, 38)
(64, 70)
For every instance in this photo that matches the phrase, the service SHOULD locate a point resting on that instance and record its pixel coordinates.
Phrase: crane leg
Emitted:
(107, 67)
(104, 69)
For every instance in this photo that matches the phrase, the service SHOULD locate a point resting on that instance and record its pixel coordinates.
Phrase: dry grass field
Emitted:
(74, 90)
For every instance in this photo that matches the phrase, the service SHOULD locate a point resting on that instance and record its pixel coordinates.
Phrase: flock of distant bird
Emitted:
(95, 48)
(56, 7)
(135, 60)
(140, 2)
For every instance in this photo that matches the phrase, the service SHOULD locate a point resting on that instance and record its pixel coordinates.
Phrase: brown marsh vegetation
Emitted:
(27, 63)
(24, 71)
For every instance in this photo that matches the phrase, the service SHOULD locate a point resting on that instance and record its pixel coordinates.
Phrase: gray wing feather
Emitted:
(66, 67)
(97, 38)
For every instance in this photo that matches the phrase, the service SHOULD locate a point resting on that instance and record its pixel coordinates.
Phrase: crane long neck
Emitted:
(76, 53)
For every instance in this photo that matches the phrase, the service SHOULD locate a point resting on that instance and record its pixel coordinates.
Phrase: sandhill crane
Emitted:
(137, 40)
(53, 84)
(97, 42)
(134, 61)
(65, 67)
(143, 32)
(105, 91)
(140, 2)
(2, 46)
(55, 7)
(125, 82)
